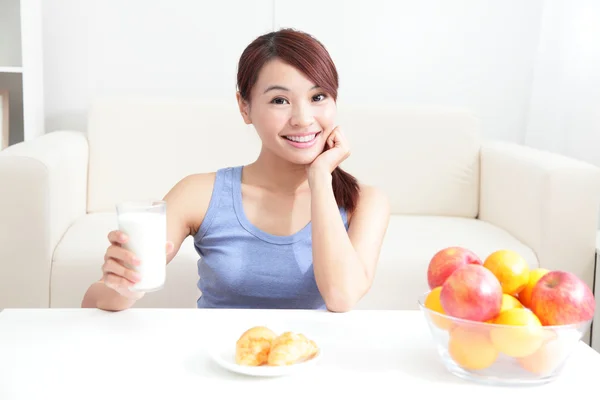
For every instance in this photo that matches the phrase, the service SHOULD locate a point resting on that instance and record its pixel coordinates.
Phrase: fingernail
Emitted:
(123, 237)
(135, 261)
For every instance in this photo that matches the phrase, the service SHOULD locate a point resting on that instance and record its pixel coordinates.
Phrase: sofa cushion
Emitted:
(401, 278)
(411, 242)
(78, 259)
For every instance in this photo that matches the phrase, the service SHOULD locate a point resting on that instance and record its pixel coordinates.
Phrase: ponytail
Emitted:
(345, 189)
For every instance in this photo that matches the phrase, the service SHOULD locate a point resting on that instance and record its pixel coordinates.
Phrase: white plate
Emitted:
(225, 357)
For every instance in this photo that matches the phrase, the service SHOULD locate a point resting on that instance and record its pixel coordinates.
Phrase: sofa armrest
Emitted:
(548, 201)
(43, 184)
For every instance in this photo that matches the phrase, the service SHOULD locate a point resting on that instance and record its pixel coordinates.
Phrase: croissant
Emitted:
(253, 346)
(291, 348)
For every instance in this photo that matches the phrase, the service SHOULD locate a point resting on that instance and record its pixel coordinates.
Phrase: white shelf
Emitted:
(21, 67)
(14, 70)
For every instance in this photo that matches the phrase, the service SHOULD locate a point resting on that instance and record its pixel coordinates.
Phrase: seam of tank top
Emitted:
(245, 223)
(213, 205)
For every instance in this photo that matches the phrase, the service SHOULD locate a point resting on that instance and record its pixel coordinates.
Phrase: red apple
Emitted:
(472, 292)
(562, 298)
(446, 261)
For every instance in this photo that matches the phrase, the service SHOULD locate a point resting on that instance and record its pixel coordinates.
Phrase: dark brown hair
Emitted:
(309, 56)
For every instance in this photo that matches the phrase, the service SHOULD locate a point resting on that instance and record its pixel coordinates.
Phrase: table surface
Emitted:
(153, 353)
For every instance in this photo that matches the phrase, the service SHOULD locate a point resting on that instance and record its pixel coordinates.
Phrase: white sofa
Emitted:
(447, 187)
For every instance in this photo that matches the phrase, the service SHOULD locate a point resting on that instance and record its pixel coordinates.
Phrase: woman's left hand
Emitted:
(336, 151)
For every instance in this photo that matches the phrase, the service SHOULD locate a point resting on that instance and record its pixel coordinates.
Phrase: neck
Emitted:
(275, 174)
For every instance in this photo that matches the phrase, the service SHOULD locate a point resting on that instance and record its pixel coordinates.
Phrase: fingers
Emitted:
(121, 286)
(116, 282)
(124, 256)
(331, 141)
(117, 237)
(338, 139)
(119, 274)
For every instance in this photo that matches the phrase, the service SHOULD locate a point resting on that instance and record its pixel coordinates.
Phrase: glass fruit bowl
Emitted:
(502, 354)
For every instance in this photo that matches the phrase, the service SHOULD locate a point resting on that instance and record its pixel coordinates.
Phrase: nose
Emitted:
(301, 116)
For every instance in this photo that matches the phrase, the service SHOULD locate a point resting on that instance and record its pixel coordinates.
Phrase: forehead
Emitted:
(276, 72)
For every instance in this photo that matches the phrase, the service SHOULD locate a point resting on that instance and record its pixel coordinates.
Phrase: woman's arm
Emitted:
(344, 262)
(187, 202)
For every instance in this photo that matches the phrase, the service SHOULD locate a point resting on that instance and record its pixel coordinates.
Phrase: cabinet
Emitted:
(21, 67)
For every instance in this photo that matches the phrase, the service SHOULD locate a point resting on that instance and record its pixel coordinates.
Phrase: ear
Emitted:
(244, 108)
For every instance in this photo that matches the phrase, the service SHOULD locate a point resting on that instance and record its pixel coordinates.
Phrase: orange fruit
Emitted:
(521, 333)
(547, 358)
(508, 302)
(433, 303)
(511, 270)
(471, 348)
(534, 277)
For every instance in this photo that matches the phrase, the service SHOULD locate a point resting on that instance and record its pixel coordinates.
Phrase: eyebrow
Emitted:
(278, 87)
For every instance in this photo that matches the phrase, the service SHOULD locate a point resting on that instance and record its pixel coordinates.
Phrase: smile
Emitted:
(302, 141)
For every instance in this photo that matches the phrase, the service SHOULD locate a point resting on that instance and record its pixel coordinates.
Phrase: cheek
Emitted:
(326, 117)
(269, 122)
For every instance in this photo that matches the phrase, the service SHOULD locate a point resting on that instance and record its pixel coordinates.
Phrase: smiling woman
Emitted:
(291, 229)
(312, 74)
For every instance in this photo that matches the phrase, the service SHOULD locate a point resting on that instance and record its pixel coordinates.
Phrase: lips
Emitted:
(303, 141)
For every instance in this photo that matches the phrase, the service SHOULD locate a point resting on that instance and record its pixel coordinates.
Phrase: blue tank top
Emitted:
(241, 266)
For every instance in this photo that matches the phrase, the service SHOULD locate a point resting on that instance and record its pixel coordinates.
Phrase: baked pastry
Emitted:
(291, 348)
(253, 346)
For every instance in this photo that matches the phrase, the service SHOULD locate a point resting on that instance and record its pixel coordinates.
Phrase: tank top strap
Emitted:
(221, 198)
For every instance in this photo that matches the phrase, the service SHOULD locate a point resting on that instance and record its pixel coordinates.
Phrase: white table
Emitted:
(92, 354)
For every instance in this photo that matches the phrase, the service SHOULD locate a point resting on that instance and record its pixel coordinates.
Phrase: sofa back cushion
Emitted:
(141, 147)
(427, 160)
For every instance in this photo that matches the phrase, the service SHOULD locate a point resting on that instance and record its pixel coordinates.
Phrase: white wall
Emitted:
(565, 103)
(470, 53)
(174, 47)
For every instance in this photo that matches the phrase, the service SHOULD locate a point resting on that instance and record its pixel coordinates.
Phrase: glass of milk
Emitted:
(145, 224)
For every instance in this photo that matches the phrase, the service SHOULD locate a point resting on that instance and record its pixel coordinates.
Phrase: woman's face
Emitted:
(292, 116)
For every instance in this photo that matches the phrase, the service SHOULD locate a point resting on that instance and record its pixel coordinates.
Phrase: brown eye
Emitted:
(278, 100)
(319, 97)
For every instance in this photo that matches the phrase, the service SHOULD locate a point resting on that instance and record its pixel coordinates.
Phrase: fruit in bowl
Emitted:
(561, 298)
(521, 341)
(433, 302)
(505, 323)
(446, 261)
(498, 353)
(510, 268)
(534, 276)
(472, 292)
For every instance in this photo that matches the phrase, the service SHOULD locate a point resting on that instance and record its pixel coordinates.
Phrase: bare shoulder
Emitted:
(189, 199)
(192, 187)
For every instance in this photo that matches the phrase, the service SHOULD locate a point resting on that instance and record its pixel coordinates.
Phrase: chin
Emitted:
(300, 156)
(302, 159)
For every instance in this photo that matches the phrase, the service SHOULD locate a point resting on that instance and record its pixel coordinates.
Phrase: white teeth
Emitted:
(301, 139)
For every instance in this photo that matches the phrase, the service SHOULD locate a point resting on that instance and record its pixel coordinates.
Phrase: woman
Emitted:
(290, 230)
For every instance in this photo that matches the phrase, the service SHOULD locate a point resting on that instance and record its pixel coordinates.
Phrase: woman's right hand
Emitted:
(115, 274)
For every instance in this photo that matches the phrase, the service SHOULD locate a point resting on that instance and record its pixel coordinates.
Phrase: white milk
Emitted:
(147, 239)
